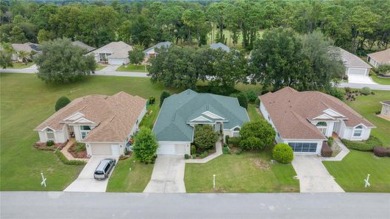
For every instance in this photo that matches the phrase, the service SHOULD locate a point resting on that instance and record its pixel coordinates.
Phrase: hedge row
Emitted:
(367, 145)
(65, 160)
(382, 151)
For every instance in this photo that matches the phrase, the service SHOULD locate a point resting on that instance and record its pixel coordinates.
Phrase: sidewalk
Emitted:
(65, 152)
(339, 157)
(218, 152)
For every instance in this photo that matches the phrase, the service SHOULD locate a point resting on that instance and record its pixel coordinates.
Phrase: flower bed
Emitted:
(78, 150)
(43, 146)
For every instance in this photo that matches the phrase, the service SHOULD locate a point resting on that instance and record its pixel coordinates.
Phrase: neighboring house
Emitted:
(105, 123)
(220, 46)
(305, 119)
(150, 52)
(28, 48)
(379, 58)
(83, 46)
(180, 113)
(354, 65)
(385, 108)
(115, 53)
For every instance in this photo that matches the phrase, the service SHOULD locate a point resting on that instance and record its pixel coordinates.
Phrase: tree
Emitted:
(283, 153)
(205, 137)
(256, 135)
(24, 56)
(6, 55)
(62, 62)
(136, 56)
(145, 145)
(242, 99)
(164, 95)
(17, 35)
(61, 103)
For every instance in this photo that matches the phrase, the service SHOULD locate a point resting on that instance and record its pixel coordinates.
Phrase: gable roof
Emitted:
(220, 46)
(114, 116)
(157, 46)
(189, 107)
(383, 57)
(83, 46)
(26, 47)
(352, 61)
(118, 50)
(291, 112)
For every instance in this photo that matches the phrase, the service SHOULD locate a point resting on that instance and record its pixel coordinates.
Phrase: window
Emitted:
(357, 132)
(322, 127)
(50, 134)
(303, 146)
(84, 130)
(236, 132)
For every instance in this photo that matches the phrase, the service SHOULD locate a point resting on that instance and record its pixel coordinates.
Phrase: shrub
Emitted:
(283, 153)
(338, 93)
(50, 143)
(326, 151)
(80, 147)
(251, 143)
(187, 156)
(66, 161)
(367, 145)
(235, 141)
(61, 102)
(227, 139)
(383, 70)
(226, 150)
(242, 100)
(251, 95)
(204, 154)
(261, 130)
(382, 151)
(193, 149)
(145, 145)
(365, 91)
(330, 141)
(163, 95)
(152, 100)
(205, 137)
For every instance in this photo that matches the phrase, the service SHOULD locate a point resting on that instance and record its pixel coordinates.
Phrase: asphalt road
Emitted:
(129, 205)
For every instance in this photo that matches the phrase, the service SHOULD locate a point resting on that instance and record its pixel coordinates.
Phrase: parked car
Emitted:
(104, 168)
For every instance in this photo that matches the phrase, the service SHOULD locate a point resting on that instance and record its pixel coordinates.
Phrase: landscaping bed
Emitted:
(45, 147)
(78, 150)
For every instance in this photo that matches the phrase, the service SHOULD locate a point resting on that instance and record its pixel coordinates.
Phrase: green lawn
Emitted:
(254, 114)
(25, 102)
(380, 80)
(131, 67)
(130, 176)
(247, 172)
(351, 171)
(367, 106)
(19, 65)
(100, 67)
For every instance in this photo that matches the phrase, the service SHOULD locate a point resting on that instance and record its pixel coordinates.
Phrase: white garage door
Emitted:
(357, 71)
(117, 61)
(101, 149)
(180, 149)
(166, 148)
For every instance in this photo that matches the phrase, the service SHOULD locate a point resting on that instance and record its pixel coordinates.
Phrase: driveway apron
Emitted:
(313, 176)
(168, 175)
(85, 181)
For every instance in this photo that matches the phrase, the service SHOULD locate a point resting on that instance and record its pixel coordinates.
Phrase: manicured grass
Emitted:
(100, 67)
(150, 116)
(351, 171)
(254, 114)
(131, 67)
(379, 80)
(367, 106)
(130, 176)
(20, 65)
(247, 172)
(25, 102)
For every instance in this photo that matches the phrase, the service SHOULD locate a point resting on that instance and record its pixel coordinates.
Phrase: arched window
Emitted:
(357, 132)
(236, 132)
(50, 134)
(322, 127)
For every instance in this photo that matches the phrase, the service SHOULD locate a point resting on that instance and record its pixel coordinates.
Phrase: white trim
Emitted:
(201, 119)
(78, 115)
(83, 121)
(212, 115)
(333, 113)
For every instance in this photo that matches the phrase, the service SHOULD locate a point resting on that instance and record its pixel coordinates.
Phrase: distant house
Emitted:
(180, 113)
(115, 53)
(304, 120)
(385, 109)
(354, 65)
(220, 46)
(150, 52)
(83, 46)
(105, 124)
(379, 58)
(29, 48)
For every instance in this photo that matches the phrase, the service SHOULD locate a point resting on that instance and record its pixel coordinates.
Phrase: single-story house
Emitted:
(83, 46)
(150, 52)
(379, 58)
(180, 113)
(105, 124)
(304, 120)
(354, 65)
(385, 109)
(114, 53)
(29, 48)
(220, 46)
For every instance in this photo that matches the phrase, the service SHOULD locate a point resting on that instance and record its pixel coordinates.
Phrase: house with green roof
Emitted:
(180, 113)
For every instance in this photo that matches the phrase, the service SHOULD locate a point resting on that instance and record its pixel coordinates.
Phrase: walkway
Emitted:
(359, 79)
(359, 86)
(218, 152)
(68, 155)
(168, 175)
(340, 156)
(313, 176)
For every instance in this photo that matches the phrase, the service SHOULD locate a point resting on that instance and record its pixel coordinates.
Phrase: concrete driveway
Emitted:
(85, 181)
(168, 175)
(359, 79)
(313, 176)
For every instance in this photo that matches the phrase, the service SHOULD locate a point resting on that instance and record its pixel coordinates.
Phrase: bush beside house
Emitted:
(283, 153)
(204, 138)
(256, 135)
(145, 145)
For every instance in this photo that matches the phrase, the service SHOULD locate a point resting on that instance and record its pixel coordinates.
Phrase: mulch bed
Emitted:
(77, 154)
(44, 147)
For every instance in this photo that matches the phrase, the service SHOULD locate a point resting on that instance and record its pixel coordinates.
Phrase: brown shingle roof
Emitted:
(352, 61)
(114, 115)
(290, 111)
(383, 57)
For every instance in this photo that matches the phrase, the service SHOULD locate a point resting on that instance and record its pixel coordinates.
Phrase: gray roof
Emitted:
(83, 46)
(157, 46)
(179, 110)
(352, 61)
(118, 50)
(27, 47)
(220, 46)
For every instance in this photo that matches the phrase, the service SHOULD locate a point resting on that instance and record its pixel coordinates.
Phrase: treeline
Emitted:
(357, 26)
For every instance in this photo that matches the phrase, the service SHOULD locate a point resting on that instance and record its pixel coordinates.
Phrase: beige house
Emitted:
(105, 124)
(115, 53)
(379, 58)
(28, 48)
(385, 109)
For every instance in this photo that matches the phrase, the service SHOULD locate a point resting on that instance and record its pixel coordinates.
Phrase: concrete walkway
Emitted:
(340, 156)
(218, 152)
(313, 176)
(359, 79)
(68, 155)
(168, 175)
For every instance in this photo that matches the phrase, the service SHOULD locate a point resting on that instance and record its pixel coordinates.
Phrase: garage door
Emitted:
(117, 61)
(165, 148)
(357, 71)
(101, 149)
(303, 146)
